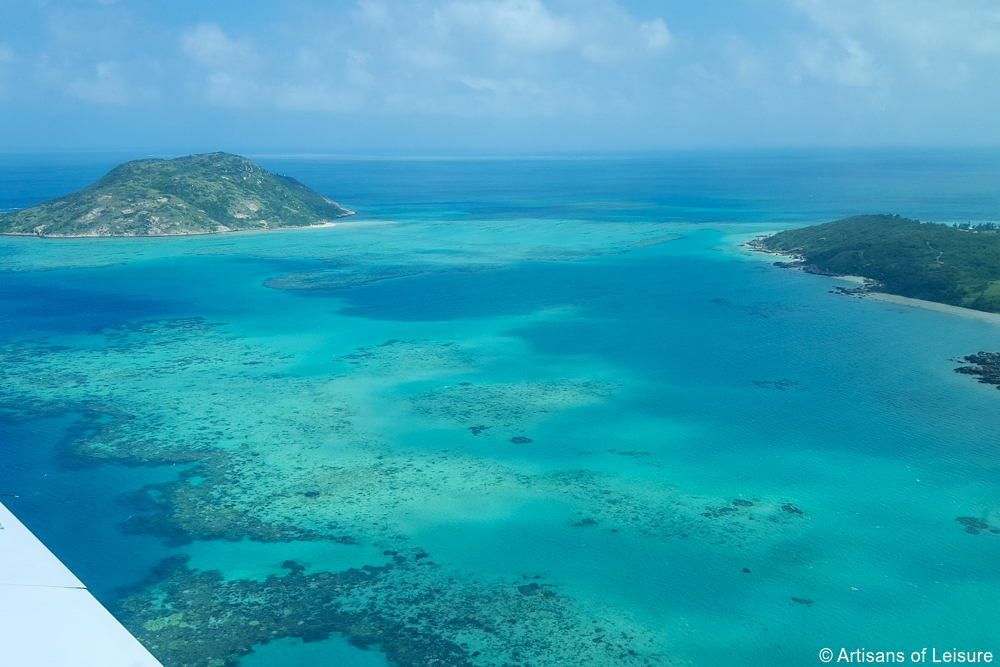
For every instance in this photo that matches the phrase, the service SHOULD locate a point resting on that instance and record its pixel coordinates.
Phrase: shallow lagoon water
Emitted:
(316, 654)
(555, 414)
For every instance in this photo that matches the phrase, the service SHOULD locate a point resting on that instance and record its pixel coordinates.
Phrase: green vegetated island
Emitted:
(954, 265)
(196, 194)
(958, 266)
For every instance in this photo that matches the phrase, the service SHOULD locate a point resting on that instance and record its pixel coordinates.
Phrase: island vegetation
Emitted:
(951, 264)
(196, 194)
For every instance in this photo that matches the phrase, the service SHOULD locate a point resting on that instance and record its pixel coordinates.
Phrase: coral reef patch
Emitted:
(407, 609)
(197, 619)
(277, 457)
(974, 526)
(508, 404)
(984, 365)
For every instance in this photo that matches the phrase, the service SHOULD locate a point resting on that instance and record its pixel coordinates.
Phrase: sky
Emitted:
(503, 76)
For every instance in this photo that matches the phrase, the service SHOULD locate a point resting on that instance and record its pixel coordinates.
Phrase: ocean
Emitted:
(516, 411)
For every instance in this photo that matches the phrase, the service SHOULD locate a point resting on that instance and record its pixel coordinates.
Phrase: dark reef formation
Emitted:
(974, 526)
(181, 512)
(198, 619)
(345, 276)
(782, 384)
(253, 475)
(535, 589)
(984, 365)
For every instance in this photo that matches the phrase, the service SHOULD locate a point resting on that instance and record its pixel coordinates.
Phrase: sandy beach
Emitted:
(327, 223)
(937, 307)
(882, 296)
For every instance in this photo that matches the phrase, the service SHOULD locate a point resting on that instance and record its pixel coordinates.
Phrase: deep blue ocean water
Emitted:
(657, 383)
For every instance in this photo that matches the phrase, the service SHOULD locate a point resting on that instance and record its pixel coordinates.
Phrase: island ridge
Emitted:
(196, 194)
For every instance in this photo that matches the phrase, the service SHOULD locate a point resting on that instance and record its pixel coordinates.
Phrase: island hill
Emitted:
(196, 194)
(959, 266)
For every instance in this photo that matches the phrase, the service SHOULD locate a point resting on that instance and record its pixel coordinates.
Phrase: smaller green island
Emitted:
(197, 194)
(954, 265)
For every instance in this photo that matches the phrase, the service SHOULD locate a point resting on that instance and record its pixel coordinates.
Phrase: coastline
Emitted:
(935, 306)
(983, 316)
(328, 223)
(754, 246)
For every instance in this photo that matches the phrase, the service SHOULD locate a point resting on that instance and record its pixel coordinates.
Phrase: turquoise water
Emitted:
(314, 654)
(493, 369)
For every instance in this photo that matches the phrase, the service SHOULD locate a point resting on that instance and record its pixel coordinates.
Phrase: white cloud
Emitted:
(209, 45)
(425, 57)
(845, 63)
(297, 97)
(94, 53)
(233, 75)
(600, 31)
(963, 25)
(227, 89)
(525, 26)
(928, 37)
(373, 12)
(516, 57)
(600, 62)
(105, 85)
(7, 58)
(494, 57)
(656, 35)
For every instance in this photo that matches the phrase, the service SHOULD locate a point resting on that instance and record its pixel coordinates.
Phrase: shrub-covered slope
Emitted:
(197, 194)
(927, 261)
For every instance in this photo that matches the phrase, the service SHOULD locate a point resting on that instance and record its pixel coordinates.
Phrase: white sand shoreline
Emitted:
(947, 309)
(753, 248)
(935, 306)
(328, 223)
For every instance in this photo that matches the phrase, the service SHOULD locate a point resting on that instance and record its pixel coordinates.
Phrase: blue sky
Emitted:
(497, 75)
